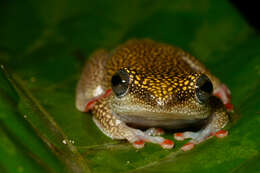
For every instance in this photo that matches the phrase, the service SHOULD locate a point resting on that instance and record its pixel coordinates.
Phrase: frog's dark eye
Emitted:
(120, 83)
(204, 88)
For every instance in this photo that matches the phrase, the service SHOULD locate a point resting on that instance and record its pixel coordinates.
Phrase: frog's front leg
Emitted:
(217, 121)
(224, 94)
(114, 128)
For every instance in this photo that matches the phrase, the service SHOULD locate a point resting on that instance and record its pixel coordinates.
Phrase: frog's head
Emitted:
(160, 96)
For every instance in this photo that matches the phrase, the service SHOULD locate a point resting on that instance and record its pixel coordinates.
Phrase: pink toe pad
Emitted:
(229, 107)
(167, 144)
(179, 136)
(221, 133)
(138, 144)
(188, 146)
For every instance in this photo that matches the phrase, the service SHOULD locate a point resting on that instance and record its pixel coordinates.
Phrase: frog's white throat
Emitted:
(161, 121)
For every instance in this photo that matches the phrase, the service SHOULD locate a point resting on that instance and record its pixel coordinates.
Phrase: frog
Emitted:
(144, 87)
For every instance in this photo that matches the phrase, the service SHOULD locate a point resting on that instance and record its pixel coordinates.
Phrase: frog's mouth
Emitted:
(160, 120)
(132, 111)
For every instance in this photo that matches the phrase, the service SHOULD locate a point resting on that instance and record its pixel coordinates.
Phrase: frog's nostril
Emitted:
(204, 88)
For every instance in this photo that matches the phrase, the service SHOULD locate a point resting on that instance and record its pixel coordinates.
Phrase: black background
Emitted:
(250, 10)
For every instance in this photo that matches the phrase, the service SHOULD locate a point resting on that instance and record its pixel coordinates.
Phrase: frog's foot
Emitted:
(224, 94)
(154, 132)
(141, 137)
(117, 129)
(198, 137)
(217, 121)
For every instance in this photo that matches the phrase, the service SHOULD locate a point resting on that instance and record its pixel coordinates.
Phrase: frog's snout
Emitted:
(203, 89)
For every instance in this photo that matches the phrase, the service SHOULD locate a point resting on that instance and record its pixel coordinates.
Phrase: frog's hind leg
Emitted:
(117, 129)
(217, 121)
(134, 136)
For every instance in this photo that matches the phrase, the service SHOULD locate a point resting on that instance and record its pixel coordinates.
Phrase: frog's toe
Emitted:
(154, 132)
(188, 146)
(142, 137)
(178, 136)
(221, 133)
(229, 107)
(138, 144)
(224, 94)
(167, 144)
(195, 139)
(185, 135)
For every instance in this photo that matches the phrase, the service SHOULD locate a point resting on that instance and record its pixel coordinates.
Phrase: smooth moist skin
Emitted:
(152, 85)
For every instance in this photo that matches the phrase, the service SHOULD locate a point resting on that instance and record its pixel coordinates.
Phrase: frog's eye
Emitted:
(120, 83)
(204, 88)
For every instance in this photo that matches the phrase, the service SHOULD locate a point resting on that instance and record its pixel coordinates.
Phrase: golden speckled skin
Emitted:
(155, 67)
(161, 90)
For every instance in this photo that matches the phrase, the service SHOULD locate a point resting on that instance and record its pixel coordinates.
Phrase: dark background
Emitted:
(250, 10)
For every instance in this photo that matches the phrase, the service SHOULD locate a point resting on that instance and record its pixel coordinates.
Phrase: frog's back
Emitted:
(149, 57)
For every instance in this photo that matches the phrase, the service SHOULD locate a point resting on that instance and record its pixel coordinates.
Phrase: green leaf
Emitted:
(43, 45)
